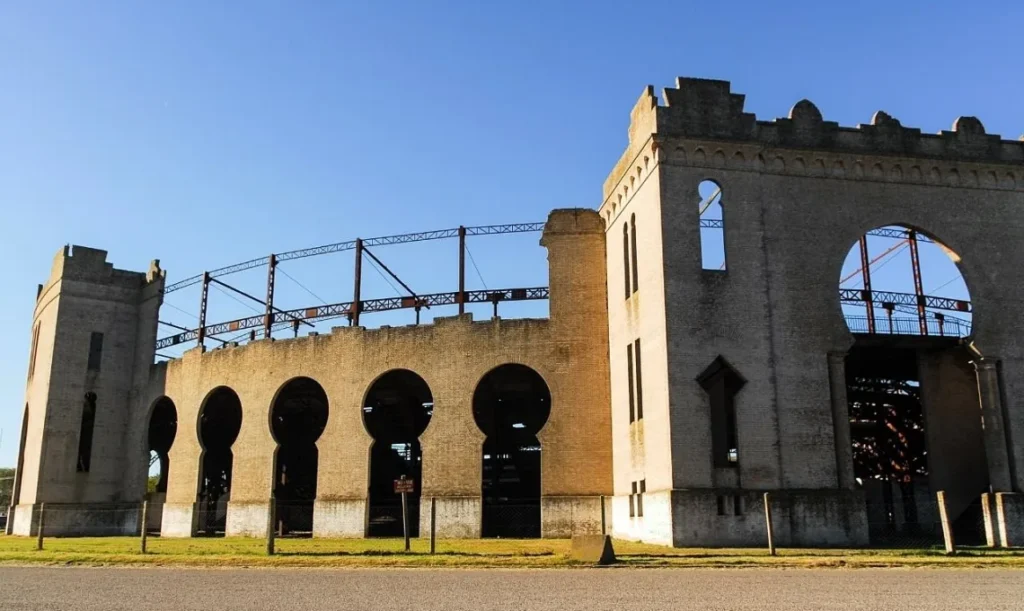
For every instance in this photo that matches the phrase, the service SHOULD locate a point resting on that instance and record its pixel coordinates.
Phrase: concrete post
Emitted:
(768, 523)
(988, 518)
(433, 524)
(992, 420)
(144, 530)
(947, 528)
(39, 527)
(840, 420)
(271, 523)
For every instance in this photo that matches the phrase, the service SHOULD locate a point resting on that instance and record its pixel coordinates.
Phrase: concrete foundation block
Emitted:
(825, 518)
(339, 518)
(654, 526)
(178, 520)
(23, 520)
(1010, 518)
(567, 516)
(79, 519)
(458, 517)
(247, 519)
(735, 518)
(594, 549)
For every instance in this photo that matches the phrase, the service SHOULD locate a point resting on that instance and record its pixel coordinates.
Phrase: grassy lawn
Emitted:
(535, 553)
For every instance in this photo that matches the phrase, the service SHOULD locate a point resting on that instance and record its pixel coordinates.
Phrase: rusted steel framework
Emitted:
(885, 298)
(346, 309)
(404, 238)
(274, 316)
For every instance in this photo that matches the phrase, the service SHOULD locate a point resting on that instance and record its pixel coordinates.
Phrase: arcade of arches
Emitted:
(510, 405)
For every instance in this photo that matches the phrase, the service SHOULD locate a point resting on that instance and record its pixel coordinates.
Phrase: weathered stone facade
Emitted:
(625, 282)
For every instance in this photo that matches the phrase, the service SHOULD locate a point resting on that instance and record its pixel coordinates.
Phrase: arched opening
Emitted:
(163, 426)
(220, 420)
(511, 404)
(297, 419)
(712, 225)
(897, 280)
(912, 397)
(396, 411)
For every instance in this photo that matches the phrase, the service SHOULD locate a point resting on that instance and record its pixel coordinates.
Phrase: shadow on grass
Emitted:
(385, 553)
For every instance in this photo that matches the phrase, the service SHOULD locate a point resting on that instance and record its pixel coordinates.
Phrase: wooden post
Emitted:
(947, 528)
(604, 519)
(145, 519)
(39, 527)
(405, 519)
(768, 523)
(989, 520)
(271, 532)
(433, 524)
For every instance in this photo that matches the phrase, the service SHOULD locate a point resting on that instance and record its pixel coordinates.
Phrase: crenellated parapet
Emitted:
(696, 112)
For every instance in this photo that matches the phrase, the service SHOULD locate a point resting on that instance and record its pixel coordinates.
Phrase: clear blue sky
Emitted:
(203, 133)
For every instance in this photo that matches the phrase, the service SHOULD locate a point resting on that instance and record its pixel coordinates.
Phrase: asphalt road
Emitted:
(79, 589)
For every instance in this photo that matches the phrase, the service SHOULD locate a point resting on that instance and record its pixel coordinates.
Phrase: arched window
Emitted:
(712, 226)
(625, 258)
(721, 382)
(632, 251)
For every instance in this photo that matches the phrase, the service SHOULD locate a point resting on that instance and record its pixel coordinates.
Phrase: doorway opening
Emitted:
(297, 419)
(396, 411)
(220, 420)
(511, 404)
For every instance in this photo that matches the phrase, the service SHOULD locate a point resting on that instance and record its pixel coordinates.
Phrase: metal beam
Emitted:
(203, 300)
(882, 298)
(865, 269)
(356, 306)
(247, 295)
(915, 265)
(462, 270)
(269, 316)
(405, 238)
(390, 273)
(337, 310)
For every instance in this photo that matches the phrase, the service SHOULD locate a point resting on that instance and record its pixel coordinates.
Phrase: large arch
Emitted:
(511, 404)
(298, 416)
(163, 427)
(396, 411)
(912, 397)
(220, 420)
(907, 260)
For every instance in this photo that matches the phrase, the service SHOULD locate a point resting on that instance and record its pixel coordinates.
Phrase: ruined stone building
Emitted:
(678, 386)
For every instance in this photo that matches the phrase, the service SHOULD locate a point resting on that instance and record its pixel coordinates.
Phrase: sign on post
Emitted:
(405, 487)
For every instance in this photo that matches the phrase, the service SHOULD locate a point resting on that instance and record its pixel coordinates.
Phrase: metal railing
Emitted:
(904, 325)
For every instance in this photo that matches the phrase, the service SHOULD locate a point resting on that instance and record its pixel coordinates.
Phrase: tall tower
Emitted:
(93, 334)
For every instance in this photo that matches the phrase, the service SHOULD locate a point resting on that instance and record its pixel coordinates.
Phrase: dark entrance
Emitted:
(163, 426)
(511, 404)
(297, 420)
(220, 420)
(397, 410)
(890, 457)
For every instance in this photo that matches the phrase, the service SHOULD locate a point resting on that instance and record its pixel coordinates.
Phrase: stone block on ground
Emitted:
(594, 549)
